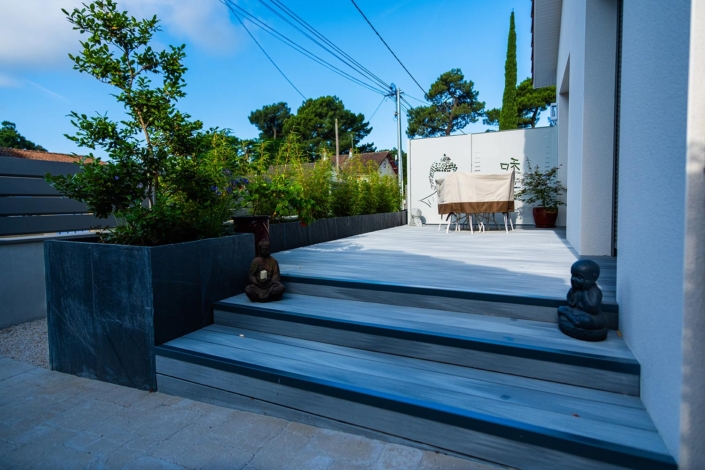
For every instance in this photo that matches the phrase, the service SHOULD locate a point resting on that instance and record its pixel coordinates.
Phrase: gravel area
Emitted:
(27, 343)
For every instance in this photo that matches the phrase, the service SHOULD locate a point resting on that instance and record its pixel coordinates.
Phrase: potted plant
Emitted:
(169, 185)
(542, 187)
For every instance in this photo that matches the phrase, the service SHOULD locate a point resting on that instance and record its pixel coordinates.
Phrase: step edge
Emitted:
(572, 358)
(582, 446)
(533, 300)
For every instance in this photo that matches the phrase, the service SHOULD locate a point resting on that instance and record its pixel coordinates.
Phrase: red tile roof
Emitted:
(37, 155)
(377, 157)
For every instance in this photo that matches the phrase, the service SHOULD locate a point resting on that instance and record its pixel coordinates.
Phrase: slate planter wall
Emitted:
(292, 235)
(109, 305)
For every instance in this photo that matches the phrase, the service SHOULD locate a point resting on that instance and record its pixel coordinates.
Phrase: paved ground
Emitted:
(54, 421)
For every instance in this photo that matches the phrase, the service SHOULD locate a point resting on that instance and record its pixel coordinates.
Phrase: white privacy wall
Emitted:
(652, 177)
(480, 153)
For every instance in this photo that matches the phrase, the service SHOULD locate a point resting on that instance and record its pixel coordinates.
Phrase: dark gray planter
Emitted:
(109, 305)
(292, 235)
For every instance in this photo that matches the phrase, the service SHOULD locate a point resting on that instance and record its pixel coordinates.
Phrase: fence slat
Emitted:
(10, 166)
(40, 206)
(10, 186)
(50, 224)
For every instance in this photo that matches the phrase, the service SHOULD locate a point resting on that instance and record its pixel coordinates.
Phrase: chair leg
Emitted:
(506, 228)
(470, 223)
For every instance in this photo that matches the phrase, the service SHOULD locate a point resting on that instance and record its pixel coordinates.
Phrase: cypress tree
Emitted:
(508, 115)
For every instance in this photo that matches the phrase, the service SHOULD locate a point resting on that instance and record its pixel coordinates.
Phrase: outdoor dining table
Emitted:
(475, 193)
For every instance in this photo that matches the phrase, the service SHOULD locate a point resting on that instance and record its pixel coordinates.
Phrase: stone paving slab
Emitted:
(55, 421)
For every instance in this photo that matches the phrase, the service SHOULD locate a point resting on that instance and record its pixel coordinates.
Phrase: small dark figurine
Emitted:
(582, 318)
(265, 283)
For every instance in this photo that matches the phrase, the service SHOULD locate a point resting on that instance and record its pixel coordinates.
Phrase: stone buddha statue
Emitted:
(582, 318)
(265, 283)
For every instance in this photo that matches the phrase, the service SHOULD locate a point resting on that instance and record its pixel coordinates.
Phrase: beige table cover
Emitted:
(470, 193)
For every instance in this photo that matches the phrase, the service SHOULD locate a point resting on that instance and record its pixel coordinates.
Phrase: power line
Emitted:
(414, 98)
(357, 65)
(224, 2)
(296, 46)
(390, 49)
(378, 106)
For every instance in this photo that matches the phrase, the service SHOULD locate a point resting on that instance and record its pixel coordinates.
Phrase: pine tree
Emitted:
(508, 116)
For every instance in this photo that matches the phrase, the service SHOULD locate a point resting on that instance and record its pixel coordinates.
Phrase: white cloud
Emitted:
(35, 33)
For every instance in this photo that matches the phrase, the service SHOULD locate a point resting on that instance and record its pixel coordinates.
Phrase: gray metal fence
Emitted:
(29, 205)
(31, 211)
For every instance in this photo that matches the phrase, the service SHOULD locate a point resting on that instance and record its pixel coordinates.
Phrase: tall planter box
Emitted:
(109, 305)
(290, 235)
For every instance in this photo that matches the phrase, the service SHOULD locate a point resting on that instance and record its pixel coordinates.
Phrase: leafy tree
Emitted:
(508, 115)
(530, 102)
(454, 105)
(166, 181)
(270, 119)
(10, 138)
(314, 122)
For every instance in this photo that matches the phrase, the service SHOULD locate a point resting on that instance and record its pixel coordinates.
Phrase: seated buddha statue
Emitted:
(582, 318)
(265, 283)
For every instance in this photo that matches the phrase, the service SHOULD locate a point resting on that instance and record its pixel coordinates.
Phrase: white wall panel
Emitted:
(489, 152)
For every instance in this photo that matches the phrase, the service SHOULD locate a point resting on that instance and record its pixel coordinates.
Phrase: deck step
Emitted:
(500, 344)
(525, 307)
(511, 420)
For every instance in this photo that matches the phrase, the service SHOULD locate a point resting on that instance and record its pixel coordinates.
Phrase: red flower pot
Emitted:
(545, 218)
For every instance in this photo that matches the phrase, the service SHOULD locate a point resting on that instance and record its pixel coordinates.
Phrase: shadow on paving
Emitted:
(54, 420)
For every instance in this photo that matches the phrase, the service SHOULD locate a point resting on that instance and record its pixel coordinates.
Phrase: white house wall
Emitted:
(652, 163)
(692, 424)
(480, 153)
(586, 87)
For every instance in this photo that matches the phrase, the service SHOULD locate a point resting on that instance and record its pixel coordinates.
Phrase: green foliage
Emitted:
(492, 117)
(542, 187)
(508, 114)
(10, 138)
(530, 102)
(166, 181)
(270, 119)
(360, 189)
(314, 122)
(454, 105)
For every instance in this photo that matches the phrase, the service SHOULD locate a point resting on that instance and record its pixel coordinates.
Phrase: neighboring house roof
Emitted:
(37, 155)
(365, 158)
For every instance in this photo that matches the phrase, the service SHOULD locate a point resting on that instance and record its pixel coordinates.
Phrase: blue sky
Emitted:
(229, 76)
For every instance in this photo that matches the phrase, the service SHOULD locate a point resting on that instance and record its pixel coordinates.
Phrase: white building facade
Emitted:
(631, 131)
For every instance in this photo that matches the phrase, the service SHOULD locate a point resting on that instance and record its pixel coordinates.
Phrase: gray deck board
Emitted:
(531, 333)
(506, 394)
(448, 391)
(491, 377)
(524, 262)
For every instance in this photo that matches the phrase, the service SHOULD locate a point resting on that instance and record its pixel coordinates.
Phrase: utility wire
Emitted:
(390, 49)
(296, 46)
(357, 65)
(414, 98)
(224, 2)
(378, 106)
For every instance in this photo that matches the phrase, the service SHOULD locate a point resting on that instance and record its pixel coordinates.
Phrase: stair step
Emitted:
(526, 307)
(520, 347)
(511, 420)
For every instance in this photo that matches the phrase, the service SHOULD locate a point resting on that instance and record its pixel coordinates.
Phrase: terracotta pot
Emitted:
(545, 218)
(255, 224)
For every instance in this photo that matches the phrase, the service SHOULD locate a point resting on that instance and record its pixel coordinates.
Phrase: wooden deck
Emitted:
(526, 262)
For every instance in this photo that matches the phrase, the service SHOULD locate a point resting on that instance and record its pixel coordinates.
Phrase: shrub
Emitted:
(166, 181)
